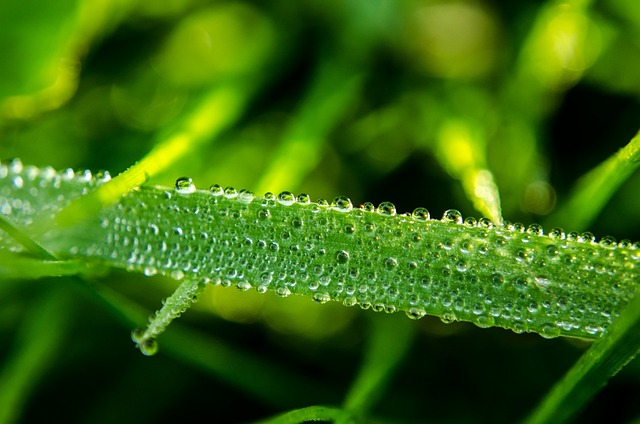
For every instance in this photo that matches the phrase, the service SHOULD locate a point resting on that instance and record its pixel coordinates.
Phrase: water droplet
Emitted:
(230, 192)
(216, 190)
(557, 233)
(286, 198)
(607, 241)
(245, 196)
(297, 222)
(391, 263)
(283, 291)
(243, 285)
(387, 209)
(535, 229)
(184, 185)
(420, 214)
(587, 237)
(177, 274)
(415, 313)
(264, 214)
(349, 228)
(448, 317)
(150, 271)
(148, 347)
(304, 199)
(321, 297)
(470, 221)
(485, 321)
(549, 331)
(342, 256)
(485, 223)
(452, 215)
(349, 301)
(368, 207)
(342, 204)
(572, 236)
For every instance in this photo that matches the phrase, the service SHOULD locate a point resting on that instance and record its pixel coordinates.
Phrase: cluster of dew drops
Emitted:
(343, 204)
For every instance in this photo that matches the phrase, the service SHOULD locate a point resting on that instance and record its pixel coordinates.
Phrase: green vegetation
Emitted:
(522, 111)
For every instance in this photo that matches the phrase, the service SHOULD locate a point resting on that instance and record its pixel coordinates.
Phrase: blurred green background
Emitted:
(405, 101)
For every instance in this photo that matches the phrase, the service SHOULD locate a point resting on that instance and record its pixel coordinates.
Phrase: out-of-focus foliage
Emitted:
(490, 107)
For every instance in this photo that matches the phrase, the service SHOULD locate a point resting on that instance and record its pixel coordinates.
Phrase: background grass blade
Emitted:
(308, 414)
(36, 346)
(592, 192)
(388, 343)
(604, 359)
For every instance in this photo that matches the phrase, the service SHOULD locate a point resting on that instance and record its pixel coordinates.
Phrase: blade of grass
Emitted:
(592, 192)
(16, 266)
(604, 359)
(233, 366)
(265, 380)
(27, 242)
(36, 345)
(333, 90)
(463, 155)
(310, 413)
(389, 341)
(216, 111)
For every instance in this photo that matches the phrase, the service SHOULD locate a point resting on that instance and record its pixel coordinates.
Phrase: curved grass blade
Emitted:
(605, 358)
(507, 276)
(388, 343)
(308, 414)
(35, 348)
(333, 90)
(215, 111)
(594, 189)
(462, 154)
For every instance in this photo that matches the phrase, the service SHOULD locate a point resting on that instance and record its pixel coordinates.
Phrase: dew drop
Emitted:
(420, 214)
(607, 241)
(391, 263)
(452, 215)
(415, 313)
(321, 297)
(184, 185)
(587, 237)
(349, 301)
(148, 347)
(245, 196)
(368, 207)
(137, 335)
(342, 204)
(286, 198)
(535, 229)
(243, 285)
(470, 221)
(283, 291)
(485, 321)
(150, 271)
(177, 274)
(448, 318)
(216, 190)
(557, 233)
(303, 199)
(342, 256)
(485, 223)
(387, 209)
(230, 193)
(549, 331)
